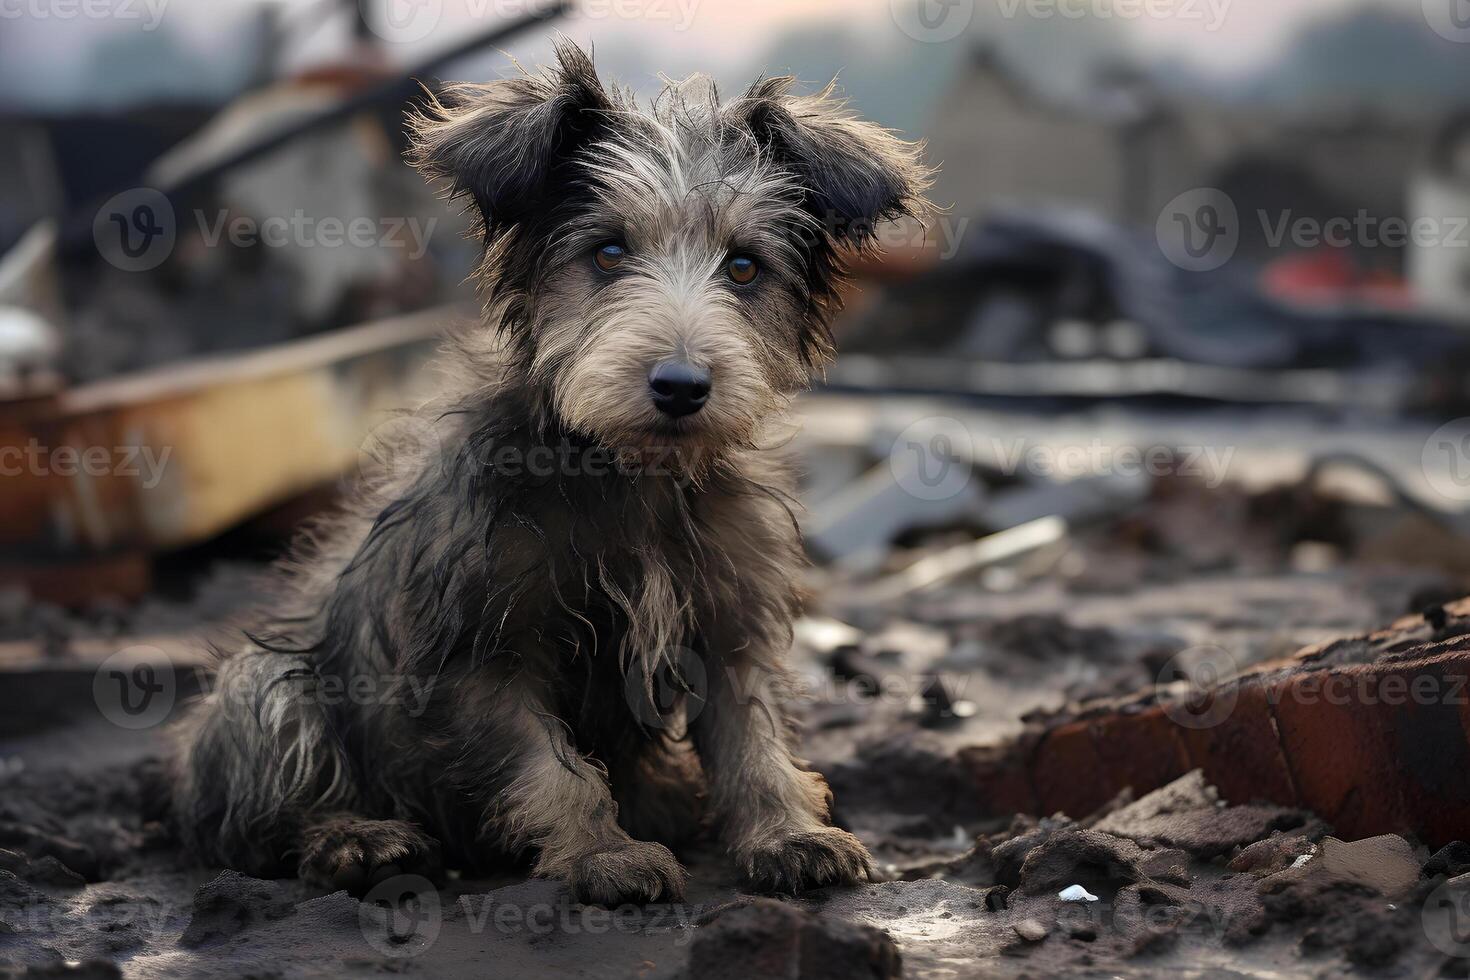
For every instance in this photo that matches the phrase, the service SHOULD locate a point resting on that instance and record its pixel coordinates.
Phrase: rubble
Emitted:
(1385, 865)
(767, 938)
(1300, 733)
(231, 903)
(1095, 862)
(1082, 764)
(1187, 815)
(1276, 853)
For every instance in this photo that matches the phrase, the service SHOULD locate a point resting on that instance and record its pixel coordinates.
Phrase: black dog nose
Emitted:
(679, 388)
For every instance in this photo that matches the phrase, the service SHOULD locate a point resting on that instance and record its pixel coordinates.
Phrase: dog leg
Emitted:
(774, 814)
(345, 851)
(560, 802)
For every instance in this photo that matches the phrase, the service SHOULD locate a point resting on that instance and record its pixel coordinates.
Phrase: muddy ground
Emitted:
(1177, 882)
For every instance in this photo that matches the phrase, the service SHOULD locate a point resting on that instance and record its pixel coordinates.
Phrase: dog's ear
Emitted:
(503, 145)
(856, 174)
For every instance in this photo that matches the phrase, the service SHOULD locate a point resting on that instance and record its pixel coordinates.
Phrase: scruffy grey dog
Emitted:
(461, 668)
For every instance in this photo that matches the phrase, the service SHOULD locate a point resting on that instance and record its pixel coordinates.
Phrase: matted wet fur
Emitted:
(475, 659)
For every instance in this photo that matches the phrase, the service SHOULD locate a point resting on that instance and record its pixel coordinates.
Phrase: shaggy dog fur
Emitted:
(561, 629)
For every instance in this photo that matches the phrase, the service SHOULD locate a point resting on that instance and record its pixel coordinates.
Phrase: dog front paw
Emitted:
(637, 872)
(794, 861)
(356, 853)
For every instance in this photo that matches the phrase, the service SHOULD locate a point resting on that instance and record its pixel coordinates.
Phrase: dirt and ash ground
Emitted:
(92, 884)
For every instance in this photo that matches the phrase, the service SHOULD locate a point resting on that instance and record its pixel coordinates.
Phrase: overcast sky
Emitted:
(43, 52)
(1225, 34)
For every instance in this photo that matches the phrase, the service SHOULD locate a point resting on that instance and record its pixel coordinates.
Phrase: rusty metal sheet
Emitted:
(171, 457)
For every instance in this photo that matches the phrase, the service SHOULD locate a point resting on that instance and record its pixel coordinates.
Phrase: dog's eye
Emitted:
(742, 269)
(609, 257)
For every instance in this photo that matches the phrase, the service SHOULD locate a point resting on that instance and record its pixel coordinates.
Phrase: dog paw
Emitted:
(637, 873)
(356, 854)
(796, 861)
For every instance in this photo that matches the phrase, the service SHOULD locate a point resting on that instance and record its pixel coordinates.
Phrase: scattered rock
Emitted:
(1186, 814)
(1453, 860)
(1385, 865)
(1099, 862)
(1030, 930)
(768, 938)
(229, 904)
(35, 842)
(1009, 854)
(41, 871)
(1336, 916)
(15, 893)
(1276, 853)
(1339, 895)
(86, 970)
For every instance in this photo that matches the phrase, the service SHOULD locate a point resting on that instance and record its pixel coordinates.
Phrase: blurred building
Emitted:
(1127, 147)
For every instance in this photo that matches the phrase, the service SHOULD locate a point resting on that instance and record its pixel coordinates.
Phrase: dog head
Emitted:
(663, 276)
